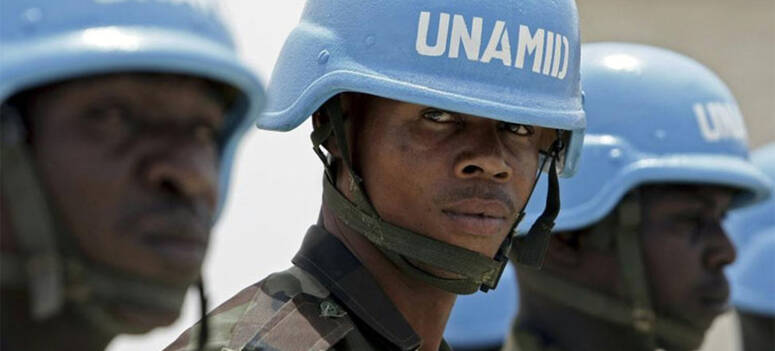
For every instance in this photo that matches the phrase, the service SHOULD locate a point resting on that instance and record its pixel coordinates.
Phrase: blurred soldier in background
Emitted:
(753, 281)
(119, 122)
(636, 262)
(437, 117)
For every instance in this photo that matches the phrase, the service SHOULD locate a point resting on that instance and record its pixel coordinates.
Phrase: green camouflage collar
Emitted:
(323, 256)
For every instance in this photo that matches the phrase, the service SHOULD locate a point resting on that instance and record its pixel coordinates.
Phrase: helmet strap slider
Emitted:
(643, 320)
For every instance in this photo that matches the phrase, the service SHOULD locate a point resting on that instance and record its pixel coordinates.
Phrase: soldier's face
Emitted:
(457, 178)
(130, 163)
(686, 250)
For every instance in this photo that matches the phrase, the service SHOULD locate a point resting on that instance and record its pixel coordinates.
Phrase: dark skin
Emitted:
(457, 178)
(130, 164)
(685, 251)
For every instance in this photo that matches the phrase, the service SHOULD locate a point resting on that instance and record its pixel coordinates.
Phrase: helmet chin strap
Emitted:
(531, 248)
(50, 266)
(404, 248)
(33, 223)
(638, 313)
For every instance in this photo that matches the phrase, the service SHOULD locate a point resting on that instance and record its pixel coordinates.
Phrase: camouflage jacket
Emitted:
(326, 301)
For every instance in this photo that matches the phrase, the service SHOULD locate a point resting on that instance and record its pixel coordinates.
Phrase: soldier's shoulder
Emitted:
(287, 307)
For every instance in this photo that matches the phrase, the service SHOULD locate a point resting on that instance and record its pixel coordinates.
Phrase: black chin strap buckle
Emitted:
(643, 320)
(497, 278)
(502, 257)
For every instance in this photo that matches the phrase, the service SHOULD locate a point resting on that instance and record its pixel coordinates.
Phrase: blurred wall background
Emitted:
(276, 183)
(736, 39)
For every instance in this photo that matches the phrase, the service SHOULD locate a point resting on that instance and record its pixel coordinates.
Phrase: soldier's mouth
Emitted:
(183, 252)
(475, 216)
(177, 235)
(478, 224)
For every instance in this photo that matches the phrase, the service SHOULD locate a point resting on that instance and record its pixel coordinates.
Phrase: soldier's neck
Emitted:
(425, 307)
(570, 330)
(64, 332)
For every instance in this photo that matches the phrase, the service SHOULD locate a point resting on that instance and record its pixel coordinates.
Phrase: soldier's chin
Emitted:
(699, 324)
(140, 320)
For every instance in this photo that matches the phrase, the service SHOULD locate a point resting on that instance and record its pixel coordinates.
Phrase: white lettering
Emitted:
(709, 131)
(441, 36)
(564, 70)
(729, 118)
(548, 53)
(471, 41)
(531, 44)
(738, 126)
(499, 38)
(557, 54)
(719, 121)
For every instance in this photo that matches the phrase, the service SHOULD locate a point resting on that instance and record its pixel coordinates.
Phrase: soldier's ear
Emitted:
(319, 119)
(351, 104)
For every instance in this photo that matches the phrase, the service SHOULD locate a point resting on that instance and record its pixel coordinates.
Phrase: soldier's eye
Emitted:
(206, 133)
(689, 225)
(439, 116)
(112, 121)
(519, 129)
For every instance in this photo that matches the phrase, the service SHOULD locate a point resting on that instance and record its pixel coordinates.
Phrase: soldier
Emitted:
(437, 116)
(119, 124)
(637, 259)
(753, 283)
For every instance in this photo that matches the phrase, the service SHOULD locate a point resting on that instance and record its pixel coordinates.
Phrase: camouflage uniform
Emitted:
(326, 301)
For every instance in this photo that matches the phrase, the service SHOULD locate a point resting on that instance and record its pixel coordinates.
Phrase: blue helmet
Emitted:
(44, 41)
(656, 116)
(753, 231)
(514, 61)
(482, 320)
